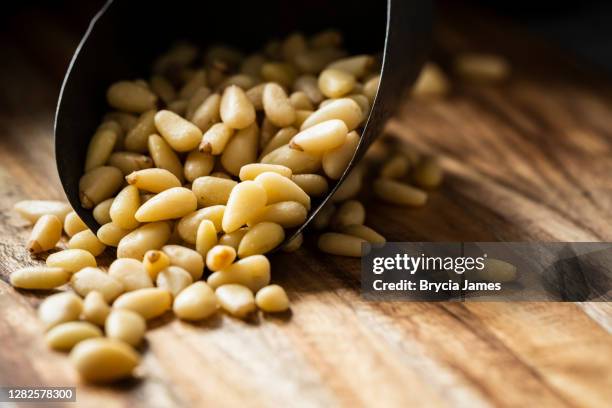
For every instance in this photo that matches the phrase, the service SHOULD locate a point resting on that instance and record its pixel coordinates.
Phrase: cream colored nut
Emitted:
(197, 81)
(364, 105)
(325, 39)
(188, 225)
(198, 165)
(211, 191)
(196, 302)
(278, 188)
(363, 232)
(315, 60)
(148, 302)
(496, 270)
(221, 174)
(179, 56)
(73, 224)
(173, 203)
(241, 80)
(310, 86)
(65, 336)
(428, 173)
(431, 82)
(482, 67)
(314, 185)
(100, 148)
(126, 326)
(146, 237)
(110, 234)
(255, 95)
(206, 237)
(99, 184)
(124, 207)
(173, 279)
(299, 100)
(236, 299)
(236, 109)
(126, 120)
(137, 138)
(196, 100)
(45, 235)
(335, 83)
(131, 273)
(350, 187)
(153, 180)
(335, 161)
(154, 261)
(241, 149)
(294, 244)
(208, 113)
(299, 162)
(39, 277)
(71, 260)
(180, 134)
(370, 88)
(32, 210)
(130, 97)
(321, 137)
(246, 199)
(358, 65)
(216, 138)
(101, 212)
(396, 167)
(186, 258)
(102, 360)
(95, 308)
(344, 109)
(277, 105)
(252, 272)
(60, 308)
(280, 72)
(395, 192)
(272, 299)
(220, 257)
(323, 218)
(88, 241)
(268, 130)
(280, 138)
(340, 244)
(349, 213)
(89, 279)
(250, 171)
(287, 214)
(300, 117)
(164, 157)
(233, 238)
(261, 239)
(163, 88)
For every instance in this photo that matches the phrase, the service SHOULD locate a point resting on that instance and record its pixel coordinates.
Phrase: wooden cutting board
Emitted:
(526, 160)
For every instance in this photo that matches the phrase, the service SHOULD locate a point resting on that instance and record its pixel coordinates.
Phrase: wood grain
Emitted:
(526, 160)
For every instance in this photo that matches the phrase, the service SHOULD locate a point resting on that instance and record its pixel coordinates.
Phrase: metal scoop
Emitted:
(126, 35)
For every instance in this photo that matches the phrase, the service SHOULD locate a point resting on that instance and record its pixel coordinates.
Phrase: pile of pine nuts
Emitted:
(202, 168)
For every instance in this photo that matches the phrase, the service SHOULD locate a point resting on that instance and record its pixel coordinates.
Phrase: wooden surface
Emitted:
(527, 160)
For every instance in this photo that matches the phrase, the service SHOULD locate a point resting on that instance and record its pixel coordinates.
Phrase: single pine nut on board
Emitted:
(94, 279)
(39, 277)
(103, 360)
(125, 325)
(272, 299)
(73, 224)
(395, 192)
(32, 210)
(236, 299)
(46, 234)
(196, 302)
(148, 302)
(95, 308)
(340, 244)
(60, 308)
(65, 336)
(71, 260)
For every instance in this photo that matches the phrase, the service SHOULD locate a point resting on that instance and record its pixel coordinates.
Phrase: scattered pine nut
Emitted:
(46, 234)
(395, 192)
(236, 299)
(196, 302)
(272, 299)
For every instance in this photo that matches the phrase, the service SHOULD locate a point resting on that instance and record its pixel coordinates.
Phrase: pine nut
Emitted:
(39, 277)
(173, 203)
(88, 241)
(130, 97)
(95, 308)
(46, 234)
(279, 72)
(396, 167)
(186, 258)
(350, 187)
(163, 88)
(126, 326)
(126, 120)
(101, 212)
(65, 336)
(245, 200)
(198, 98)
(146, 237)
(188, 225)
(153, 180)
(89, 279)
(154, 261)
(310, 86)
(277, 106)
(272, 299)
(267, 132)
(251, 171)
(252, 64)
(335, 161)
(324, 216)
(129, 162)
(216, 138)
(211, 191)
(363, 232)
(241, 80)
(299, 100)
(340, 244)
(293, 45)
(349, 213)
(164, 157)
(300, 117)
(197, 165)
(137, 137)
(314, 185)
(370, 88)
(261, 239)
(173, 279)
(236, 109)
(206, 237)
(233, 238)
(124, 207)
(321, 137)
(313, 61)
(255, 95)
(100, 148)
(431, 82)
(496, 270)
(110, 234)
(335, 83)
(71, 260)
(197, 81)
(103, 360)
(148, 302)
(32, 210)
(235, 299)
(299, 162)
(220, 257)
(428, 174)
(482, 67)
(288, 214)
(131, 273)
(395, 192)
(195, 302)
(344, 109)
(325, 39)
(280, 138)
(208, 113)
(179, 133)
(241, 149)
(99, 184)
(278, 188)
(358, 65)
(252, 272)
(60, 308)
(294, 244)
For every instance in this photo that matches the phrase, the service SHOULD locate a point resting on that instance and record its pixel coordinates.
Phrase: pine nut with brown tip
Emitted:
(153, 180)
(154, 261)
(45, 235)
(99, 184)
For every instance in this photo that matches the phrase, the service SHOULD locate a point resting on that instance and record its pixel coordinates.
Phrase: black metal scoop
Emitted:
(126, 35)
